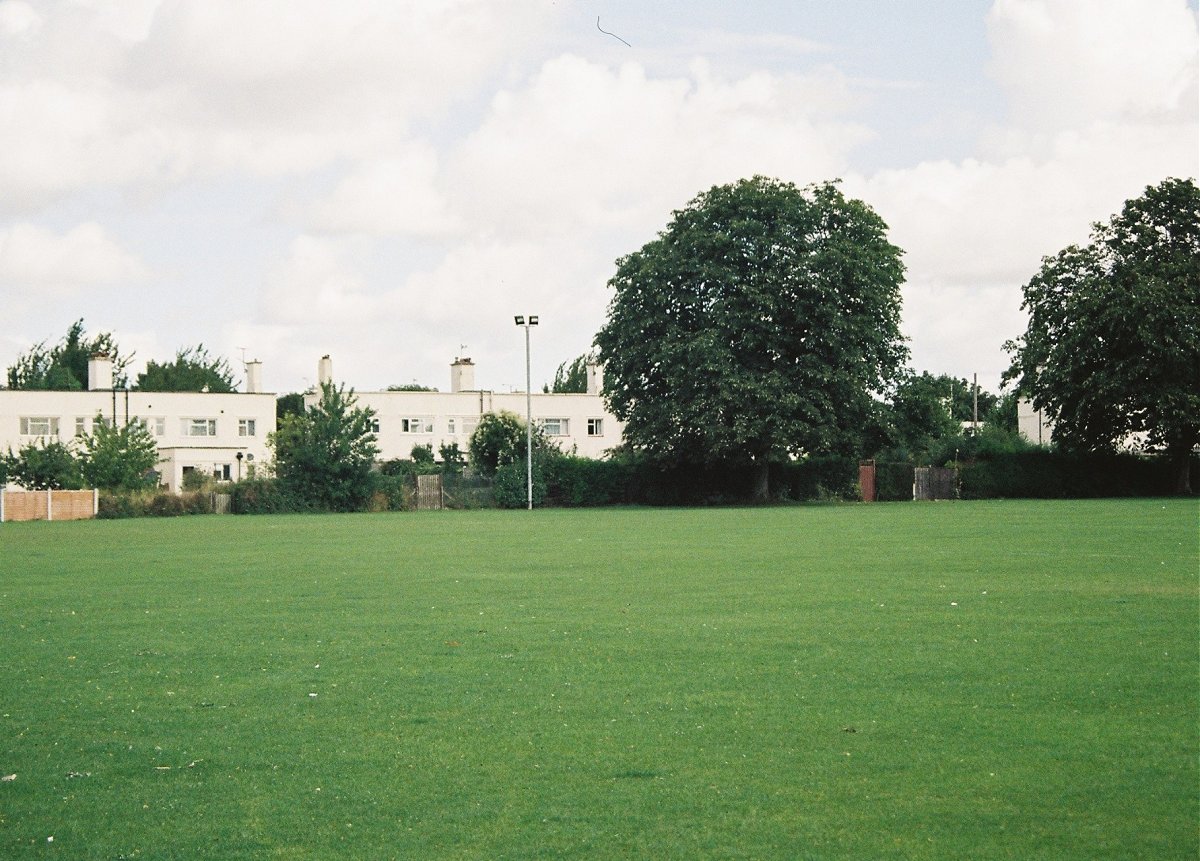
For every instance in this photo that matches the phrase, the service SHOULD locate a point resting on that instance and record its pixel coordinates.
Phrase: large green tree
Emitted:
(323, 457)
(755, 328)
(1112, 347)
(571, 377)
(192, 370)
(118, 458)
(64, 367)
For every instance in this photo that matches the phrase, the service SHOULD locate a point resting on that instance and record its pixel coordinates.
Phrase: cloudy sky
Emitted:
(390, 182)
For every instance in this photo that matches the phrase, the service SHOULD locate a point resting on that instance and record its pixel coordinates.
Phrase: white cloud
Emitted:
(396, 195)
(1067, 63)
(33, 258)
(585, 146)
(19, 19)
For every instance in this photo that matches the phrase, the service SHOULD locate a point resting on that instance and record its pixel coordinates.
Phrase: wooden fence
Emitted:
(18, 505)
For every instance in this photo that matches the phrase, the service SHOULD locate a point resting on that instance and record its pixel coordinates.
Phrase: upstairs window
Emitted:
(555, 427)
(416, 425)
(595, 427)
(156, 426)
(39, 426)
(199, 427)
(247, 427)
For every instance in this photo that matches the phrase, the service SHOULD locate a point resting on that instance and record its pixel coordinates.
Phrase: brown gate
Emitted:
(866, 480)
(429, 492)
(935, 482)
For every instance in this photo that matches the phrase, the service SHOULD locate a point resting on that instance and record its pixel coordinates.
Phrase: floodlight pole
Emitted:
(531, 321)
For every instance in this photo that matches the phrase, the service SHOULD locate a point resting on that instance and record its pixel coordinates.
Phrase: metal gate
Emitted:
(935, 482)
(429, 492)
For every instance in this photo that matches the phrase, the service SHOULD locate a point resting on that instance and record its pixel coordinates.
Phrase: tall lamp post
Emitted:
(527, 322)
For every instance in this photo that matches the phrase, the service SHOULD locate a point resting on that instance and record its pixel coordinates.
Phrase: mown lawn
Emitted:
(951, 680)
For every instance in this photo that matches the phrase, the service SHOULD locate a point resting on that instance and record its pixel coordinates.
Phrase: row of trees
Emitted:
(762, 326)
(64, 366)
(111, 457)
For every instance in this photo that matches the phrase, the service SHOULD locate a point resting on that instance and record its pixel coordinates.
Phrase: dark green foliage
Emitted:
(453, 457)
(289, 405)
(893, 482)
(325, 456)
(411, 387)
(114, 505)
(1113, 342)
(118, 458)
(422, 454)
(265, 496)
(64, 367)
(193, 370)
(1041, 474)
(499, 439)
(573, 481)
(821, 478)
(571, 377)
(46, 464)
(510, 487)
(755, 328)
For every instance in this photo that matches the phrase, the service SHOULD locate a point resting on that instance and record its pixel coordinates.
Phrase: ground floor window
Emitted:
(555, 427)
(595, 427)
(39, 426)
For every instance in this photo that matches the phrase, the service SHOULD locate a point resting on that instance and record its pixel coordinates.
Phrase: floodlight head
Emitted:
(533, 320)
(520, 321)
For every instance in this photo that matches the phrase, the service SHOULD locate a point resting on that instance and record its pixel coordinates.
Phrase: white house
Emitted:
(577, 423)
(218, 434)
(1032, 423)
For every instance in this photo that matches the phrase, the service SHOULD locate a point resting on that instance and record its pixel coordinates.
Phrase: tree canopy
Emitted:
(324, 456)
(755, 328)
(64, 367)
(193, 370)
(571, 377)
(1112, 347)
(118, 458)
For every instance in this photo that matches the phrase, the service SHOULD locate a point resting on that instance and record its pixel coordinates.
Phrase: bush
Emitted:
(510, 486)
(264, 496)
(893, 482)
(579, 481)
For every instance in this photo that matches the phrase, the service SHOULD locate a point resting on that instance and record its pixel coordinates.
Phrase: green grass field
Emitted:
(951, 680)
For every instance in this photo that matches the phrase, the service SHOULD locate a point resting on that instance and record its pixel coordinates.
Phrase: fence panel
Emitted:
(22, 505)
(935, 482)
(429, 492)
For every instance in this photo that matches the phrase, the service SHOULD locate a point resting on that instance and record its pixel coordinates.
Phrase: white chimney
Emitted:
(325, 371)
(100, 372)
(462, 375)
(254, 377)
(595, 377)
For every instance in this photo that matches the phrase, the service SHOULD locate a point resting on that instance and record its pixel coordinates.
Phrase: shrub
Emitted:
(510, 487)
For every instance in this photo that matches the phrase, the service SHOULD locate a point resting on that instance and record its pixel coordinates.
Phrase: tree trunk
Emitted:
(761, 491)
(1181, 463)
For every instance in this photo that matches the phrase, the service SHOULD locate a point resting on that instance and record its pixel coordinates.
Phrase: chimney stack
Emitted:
(254, 377)
(325, 370)
(100, 372)
(462, 375)
(595, 377)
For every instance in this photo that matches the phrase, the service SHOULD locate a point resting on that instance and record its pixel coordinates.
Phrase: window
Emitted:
(452, 426)
(39, 426)
(469, 425)
(416, 425)
(374, 425)
(247, 427)
(156, 426)
(555, 427)
(199, 427)
(595, 427)
(222, 472)
(80, 425)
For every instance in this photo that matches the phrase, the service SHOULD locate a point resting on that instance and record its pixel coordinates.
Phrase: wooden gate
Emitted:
(866, 480)
(935, 482)
(429, 492)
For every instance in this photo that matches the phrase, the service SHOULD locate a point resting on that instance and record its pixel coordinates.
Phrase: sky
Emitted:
(389, 182)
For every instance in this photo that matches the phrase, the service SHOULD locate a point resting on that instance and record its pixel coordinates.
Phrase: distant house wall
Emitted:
(1032, 423)
(201, 431)
(577, 423)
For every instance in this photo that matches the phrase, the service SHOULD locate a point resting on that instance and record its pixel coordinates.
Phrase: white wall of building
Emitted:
(203, 431)
(1033, 424)
(577, 423)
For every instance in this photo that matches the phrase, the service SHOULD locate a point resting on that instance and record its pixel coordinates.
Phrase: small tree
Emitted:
(453, 458)
(45, 465)
(118, 458)
(571, 377)
(193, 370)
(324, 456)
(498, 439)
(422, 454)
